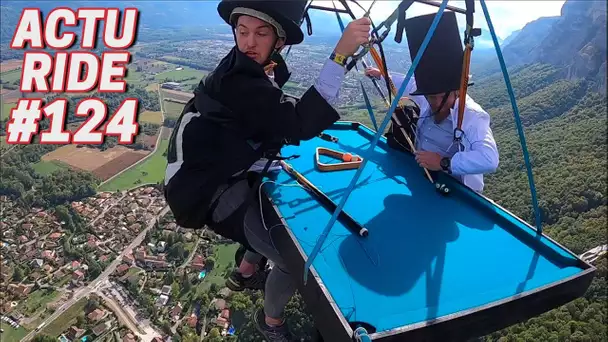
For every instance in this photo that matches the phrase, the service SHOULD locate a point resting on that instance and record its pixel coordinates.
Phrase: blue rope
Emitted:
(370, 110)
(372, 146)
(368, 104)
(520, 130)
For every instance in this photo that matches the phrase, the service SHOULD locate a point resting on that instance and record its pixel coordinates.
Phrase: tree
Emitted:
(169, 277)
(18, 274)
(214, 336)
(44, 338)
(239, 301)
(91, 305)
(209, 263)
(166, 328)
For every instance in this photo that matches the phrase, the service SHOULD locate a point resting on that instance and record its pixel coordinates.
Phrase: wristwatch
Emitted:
(338, 58)
(446, 164)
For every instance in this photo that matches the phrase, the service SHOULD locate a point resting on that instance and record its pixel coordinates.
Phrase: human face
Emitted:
(435, 101)
(256, 38)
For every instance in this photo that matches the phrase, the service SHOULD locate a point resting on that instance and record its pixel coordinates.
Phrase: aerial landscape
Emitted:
(90, 250)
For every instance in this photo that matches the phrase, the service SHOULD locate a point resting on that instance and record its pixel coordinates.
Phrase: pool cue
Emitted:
(380, 66)
(351, 224)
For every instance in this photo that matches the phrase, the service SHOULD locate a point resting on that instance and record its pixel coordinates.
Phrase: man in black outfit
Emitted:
(238, 116)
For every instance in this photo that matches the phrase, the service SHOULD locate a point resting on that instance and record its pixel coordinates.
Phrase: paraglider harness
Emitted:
(197, 212)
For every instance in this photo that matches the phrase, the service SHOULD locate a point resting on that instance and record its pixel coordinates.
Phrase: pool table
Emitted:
(434, 267)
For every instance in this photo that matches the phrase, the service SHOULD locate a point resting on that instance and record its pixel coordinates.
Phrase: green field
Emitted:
(134, 77)
(172, 109)
(11, 76)
(67, 319)
(187, 76)
(5, 109)
(223, 255)
(151, 117)
(11, 334)
(38, 299)
(48, 167)
(150, 171)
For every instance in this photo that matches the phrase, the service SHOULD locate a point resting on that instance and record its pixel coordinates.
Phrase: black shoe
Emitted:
(257, 281)
(271, 334)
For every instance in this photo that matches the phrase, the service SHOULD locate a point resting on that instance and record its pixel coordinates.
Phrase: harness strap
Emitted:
(234, 180)
(469, 43)
(403, 7)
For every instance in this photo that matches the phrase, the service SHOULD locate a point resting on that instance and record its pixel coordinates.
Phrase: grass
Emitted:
(133, 76)
(150, 171)
(186, 76)
(152, 87)
(6, 110)
(64, 321)
(39, 299)
(133, 271)
(173, 109)
(11, 76)
(44, 168)
(151, 117)
(11, 334)
(223, 255)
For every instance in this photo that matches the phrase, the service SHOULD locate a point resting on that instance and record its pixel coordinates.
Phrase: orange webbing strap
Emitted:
(464, 84)
(380, 66)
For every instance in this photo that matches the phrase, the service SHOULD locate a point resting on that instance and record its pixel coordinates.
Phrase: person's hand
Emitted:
(373, 72)
(429, 160)
(354, 35)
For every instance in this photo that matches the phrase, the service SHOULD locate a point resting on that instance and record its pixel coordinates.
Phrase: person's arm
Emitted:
(483, 156)
(268, 111)
(329, 81)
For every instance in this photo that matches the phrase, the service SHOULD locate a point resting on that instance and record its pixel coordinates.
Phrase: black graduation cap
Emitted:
(288, 13)
(440, 68)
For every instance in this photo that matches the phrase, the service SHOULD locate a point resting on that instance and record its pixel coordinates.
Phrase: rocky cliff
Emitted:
(575, 42)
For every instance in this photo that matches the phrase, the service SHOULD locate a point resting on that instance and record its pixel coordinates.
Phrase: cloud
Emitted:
(506, 16)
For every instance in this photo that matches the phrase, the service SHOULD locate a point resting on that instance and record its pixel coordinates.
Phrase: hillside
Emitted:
(566, 130)
(562, 103)
(575, 42)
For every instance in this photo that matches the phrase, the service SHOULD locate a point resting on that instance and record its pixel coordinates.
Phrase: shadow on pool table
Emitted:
(397, 254)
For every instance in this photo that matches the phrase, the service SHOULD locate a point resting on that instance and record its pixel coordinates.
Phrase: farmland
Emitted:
(172, 109)
(11, 64)
(100, 163)
(180, 96)
(152, 170)
(151, 117)
(48, 167)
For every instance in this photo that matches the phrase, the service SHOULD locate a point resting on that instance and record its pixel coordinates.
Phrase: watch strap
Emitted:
(338, 58)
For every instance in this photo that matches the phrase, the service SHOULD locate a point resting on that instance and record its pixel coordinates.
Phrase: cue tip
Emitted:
(364, 232)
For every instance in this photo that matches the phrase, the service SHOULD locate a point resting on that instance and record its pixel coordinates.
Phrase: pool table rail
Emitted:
(457, 326)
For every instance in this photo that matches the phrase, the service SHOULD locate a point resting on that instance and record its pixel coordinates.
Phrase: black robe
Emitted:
(236, 117)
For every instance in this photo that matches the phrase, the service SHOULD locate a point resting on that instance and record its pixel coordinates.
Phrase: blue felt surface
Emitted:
(426, 256)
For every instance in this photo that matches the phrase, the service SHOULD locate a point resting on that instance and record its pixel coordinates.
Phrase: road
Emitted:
(102, 277)
(122, 316)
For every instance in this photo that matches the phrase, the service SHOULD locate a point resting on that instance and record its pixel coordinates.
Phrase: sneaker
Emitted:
(271, 334)
(257, 281)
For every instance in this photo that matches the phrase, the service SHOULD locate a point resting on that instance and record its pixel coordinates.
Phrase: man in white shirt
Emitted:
(435, 89)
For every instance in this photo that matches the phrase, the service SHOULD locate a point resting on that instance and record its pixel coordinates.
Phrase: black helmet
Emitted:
(284, 15)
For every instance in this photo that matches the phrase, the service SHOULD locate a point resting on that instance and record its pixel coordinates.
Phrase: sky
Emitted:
(507, 16)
